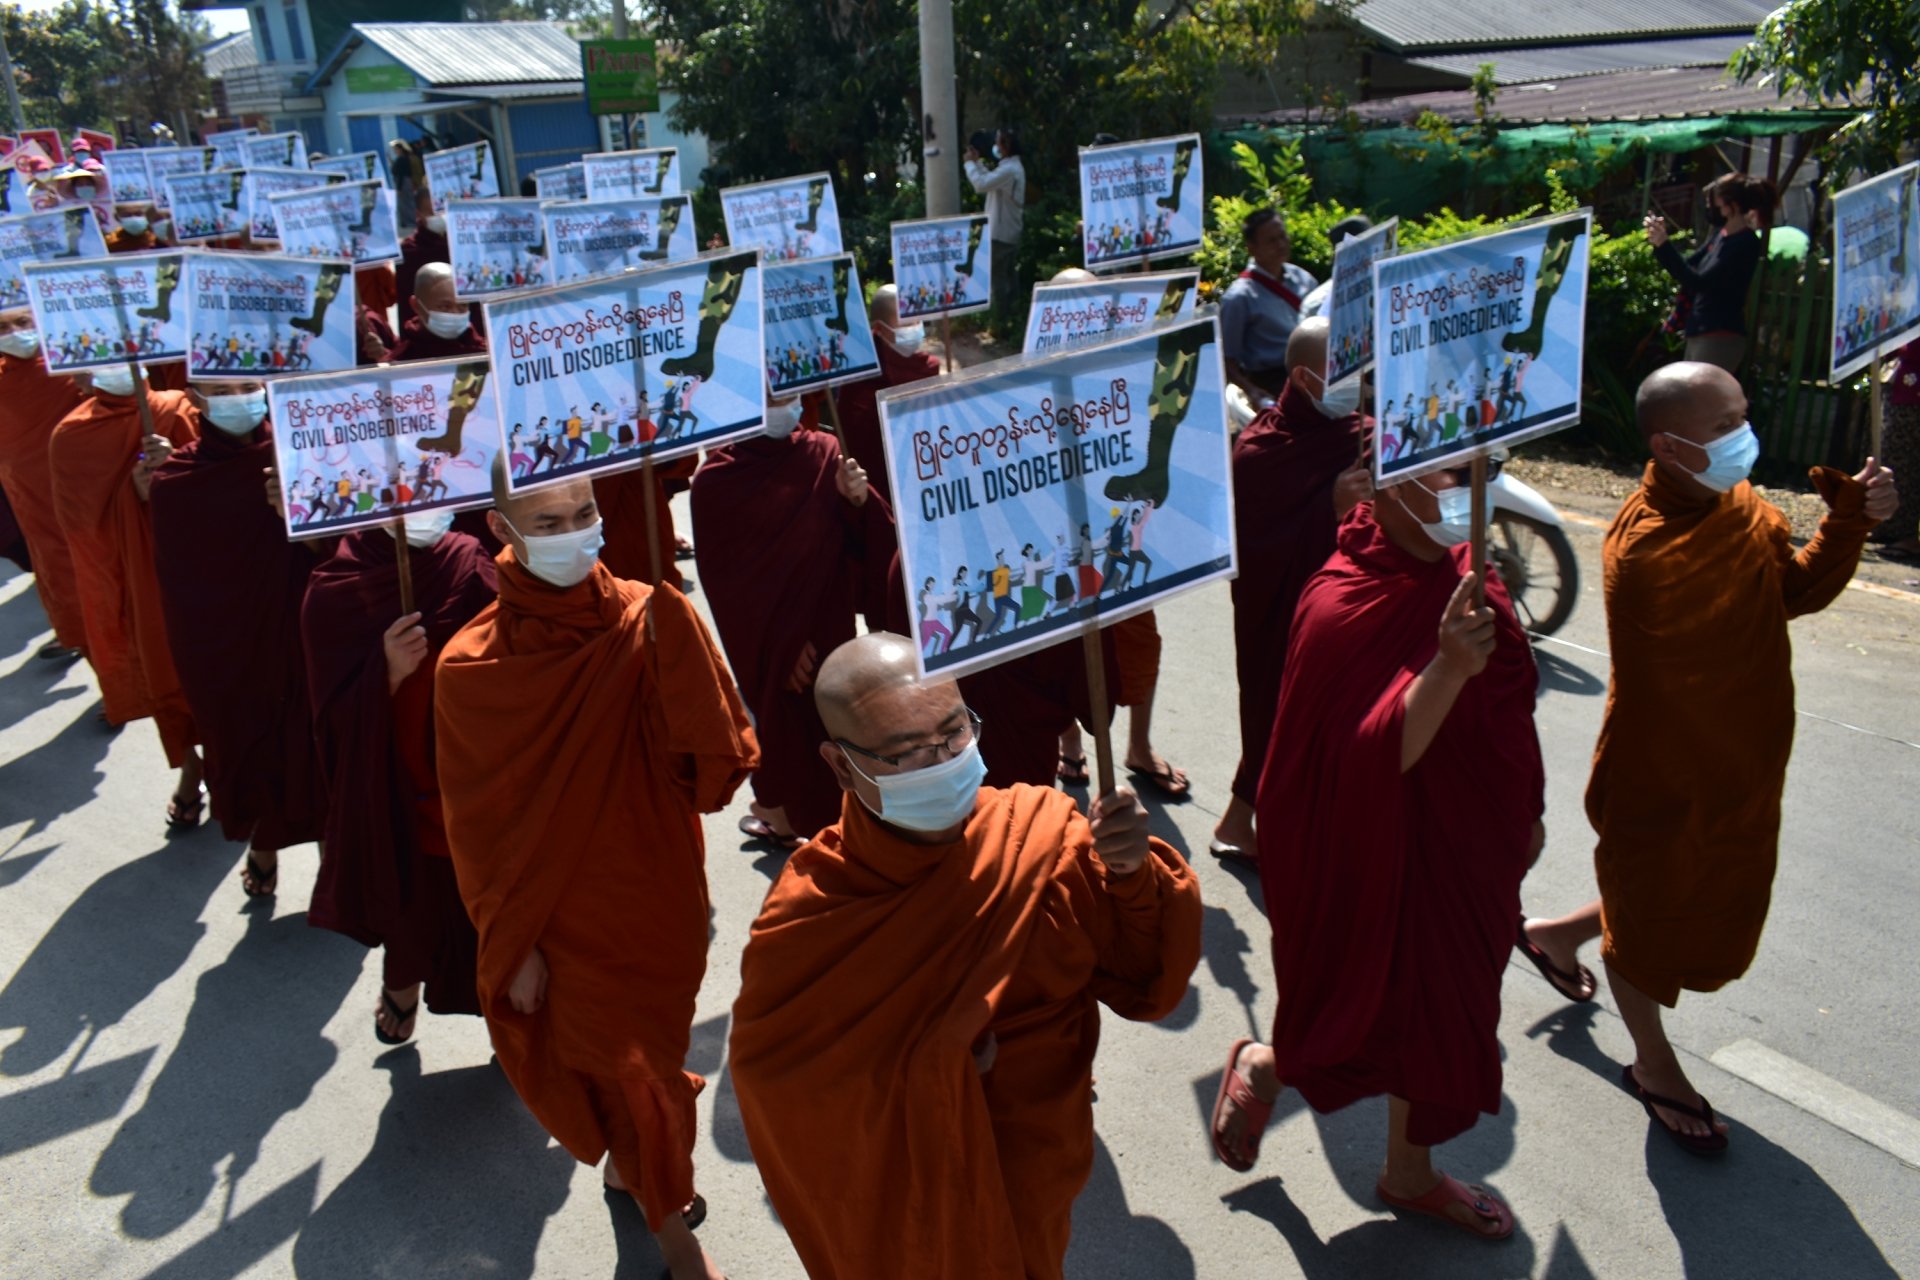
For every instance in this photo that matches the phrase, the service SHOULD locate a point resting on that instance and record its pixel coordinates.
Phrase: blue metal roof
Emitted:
(1422, 27)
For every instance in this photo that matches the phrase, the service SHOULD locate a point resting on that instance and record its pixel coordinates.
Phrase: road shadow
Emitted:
(242, 1241)
(636, 1253)
(68, 1103)
(1110, 1239)
(460, 1182)
(127, 933)
(61, 775)
(1558, 675)
(251, 1051)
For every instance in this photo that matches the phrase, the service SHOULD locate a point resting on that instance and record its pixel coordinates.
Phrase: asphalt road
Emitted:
(190, 1088)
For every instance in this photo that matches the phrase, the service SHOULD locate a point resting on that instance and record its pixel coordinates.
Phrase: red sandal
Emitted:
(1453, 1191)
(1235, 1086)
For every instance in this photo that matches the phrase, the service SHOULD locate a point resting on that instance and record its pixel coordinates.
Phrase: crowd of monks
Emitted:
(506, 780)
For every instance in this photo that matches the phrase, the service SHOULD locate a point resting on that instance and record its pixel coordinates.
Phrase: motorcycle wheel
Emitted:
(1537, 564)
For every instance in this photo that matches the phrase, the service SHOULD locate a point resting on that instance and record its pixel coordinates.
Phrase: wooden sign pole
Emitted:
(833, 420)
(403, 561)
(1876, 409)
(946, 338)
(1102, 709)
(1479, 560)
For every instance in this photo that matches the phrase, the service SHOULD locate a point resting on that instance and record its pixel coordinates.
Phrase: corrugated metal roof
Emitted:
(463, 53)
(229, 53)
(1421, 26)
(540, 89)
(1564, 62)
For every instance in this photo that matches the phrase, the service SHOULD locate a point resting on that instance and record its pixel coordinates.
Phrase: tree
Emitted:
(87, 65)
(1855, 52)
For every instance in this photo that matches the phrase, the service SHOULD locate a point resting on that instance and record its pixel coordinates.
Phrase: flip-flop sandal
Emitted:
(1234, 1087)
(695, 1213)
(1233, 854)
(1072, 770)
(401, 1017)
(1567, 984)
(682, 549)
(1712, 1144)
(54, 651)
(1169, 781)
(1453, 1191)
(186, 817)
(264, 881)
(755, 828)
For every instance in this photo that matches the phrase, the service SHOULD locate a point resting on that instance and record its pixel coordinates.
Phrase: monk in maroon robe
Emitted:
(903, 359)
(440, 326)
(32, 403)
(789, 538)
(1399, 809)
(428, 243)
(386, 874)
(230, 590)
(1296, 471)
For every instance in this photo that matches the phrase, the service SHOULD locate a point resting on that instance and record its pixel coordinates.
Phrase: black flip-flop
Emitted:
(1712, 1144)
(186, 817)
(1557, 978)
(759, 831)
(1073, 771)
(267, 881)
(1167, 781)
(401, 1017)
(54, 651)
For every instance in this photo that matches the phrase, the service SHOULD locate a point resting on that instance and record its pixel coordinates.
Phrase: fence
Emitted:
(1802, 419)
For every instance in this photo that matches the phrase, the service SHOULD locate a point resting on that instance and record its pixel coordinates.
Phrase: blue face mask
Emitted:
(1341, 400)
(237, 415)
(939, 798)
(996, 152)
(1730, 459)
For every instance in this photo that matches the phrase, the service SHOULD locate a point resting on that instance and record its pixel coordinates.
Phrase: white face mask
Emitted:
(446, 324)
(115, 381)
(562, 559)
(163, 229)
(1730, 459)
(908, 340)
(1341, 400)
(133, 224)
(22, 343)
(782, 417)
(937, 798)
(437, 223)
(1455, 526)
(424, 528)
(237, 415)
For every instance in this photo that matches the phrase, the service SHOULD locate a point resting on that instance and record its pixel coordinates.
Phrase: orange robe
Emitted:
(93, 453)
(1692, 759)
(576, 754)
(32, 402)
(874, 970)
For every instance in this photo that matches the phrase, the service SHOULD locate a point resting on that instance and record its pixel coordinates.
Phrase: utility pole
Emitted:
(13, 90)
(620, 33)
(940, 112)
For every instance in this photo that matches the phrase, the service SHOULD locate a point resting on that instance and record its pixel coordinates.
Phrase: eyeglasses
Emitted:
(928, 754)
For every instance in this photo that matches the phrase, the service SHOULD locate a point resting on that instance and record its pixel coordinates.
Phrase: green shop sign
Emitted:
(389, 77)
(621, 76)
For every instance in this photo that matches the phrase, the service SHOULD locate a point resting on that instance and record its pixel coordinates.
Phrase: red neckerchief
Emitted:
(1273, 287)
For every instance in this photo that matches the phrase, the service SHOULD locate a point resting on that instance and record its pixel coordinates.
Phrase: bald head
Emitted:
(1697, 402)
(1307, 347)
(885, 307)
(1074, 275)
(433, 285)
(861, 673)
(561, 508)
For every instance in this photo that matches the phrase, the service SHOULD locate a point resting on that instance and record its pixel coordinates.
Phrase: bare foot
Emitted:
(1254, 1064)
(268, 862)
(405, 997)
(1669, 1081)
(1236, 828)
(1564, 953)
(1411, 1186)
(686, 1260)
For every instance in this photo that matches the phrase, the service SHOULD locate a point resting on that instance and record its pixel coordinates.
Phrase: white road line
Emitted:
(1873, 1122)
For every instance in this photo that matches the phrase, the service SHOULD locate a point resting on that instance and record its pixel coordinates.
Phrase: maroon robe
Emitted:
(380, 880)
(1284, 466)
(1392, 896)
(417, 342)
(13, 543)
(786, 561)
(860, 415)
(416, 251)
(230, 590)
(622, 499)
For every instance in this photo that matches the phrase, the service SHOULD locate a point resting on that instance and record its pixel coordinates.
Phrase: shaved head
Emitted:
(885, 307)
(874, 664)
(876, 707)
(1307, 347)
(1679, 395)
(1074, 275)
(560, 508)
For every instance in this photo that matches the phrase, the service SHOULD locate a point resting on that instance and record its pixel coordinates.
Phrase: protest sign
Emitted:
(592, 377)
(127, 174)
(1876, 269)
(207, 206)
(461, 173)
(561, 182)
(787, 220)
(604, 238)
(1067, 316)
(1350, 300)
(274, 151)
(496, 246)
(163, 162)
(263, 184)
(1477, 344)
(631, 175)
(258, 315)
(817, 333)
(1035, 495)
(226, 147)
(355, 220)
(55, 235)
(48, 140)
(99, 142)
(357, 166)
(942, 266)
(368, 446)
(1141, 200)
(105, 311)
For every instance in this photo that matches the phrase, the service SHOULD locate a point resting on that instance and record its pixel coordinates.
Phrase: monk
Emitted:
(32, 403)
(919, 1000)
(792, 543)
(135, 232)
(1398, 809)
(1692, 760)
(903, 359)
(584, 724)
(230, 591)
(103, 464)
(622, 498)
(1296, 473)
(441, 325)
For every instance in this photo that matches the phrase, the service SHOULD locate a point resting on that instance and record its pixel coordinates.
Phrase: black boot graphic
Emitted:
(369, 197)
(716, 308)
(816, 192)
(76, 227)
(165, 281)
(842, 279)
(236, 184)
(974, 233)
(323, 295)
(468, 381)
(1182, 161)
(669, 223)
(660, 167)
(1170, 300)
(1554, 260)
(1176, 371)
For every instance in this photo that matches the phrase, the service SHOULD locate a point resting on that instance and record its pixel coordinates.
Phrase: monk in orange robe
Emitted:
(32, 403)
(919, 1000)
(584, 723)
(1692, 760)
(103, 463)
